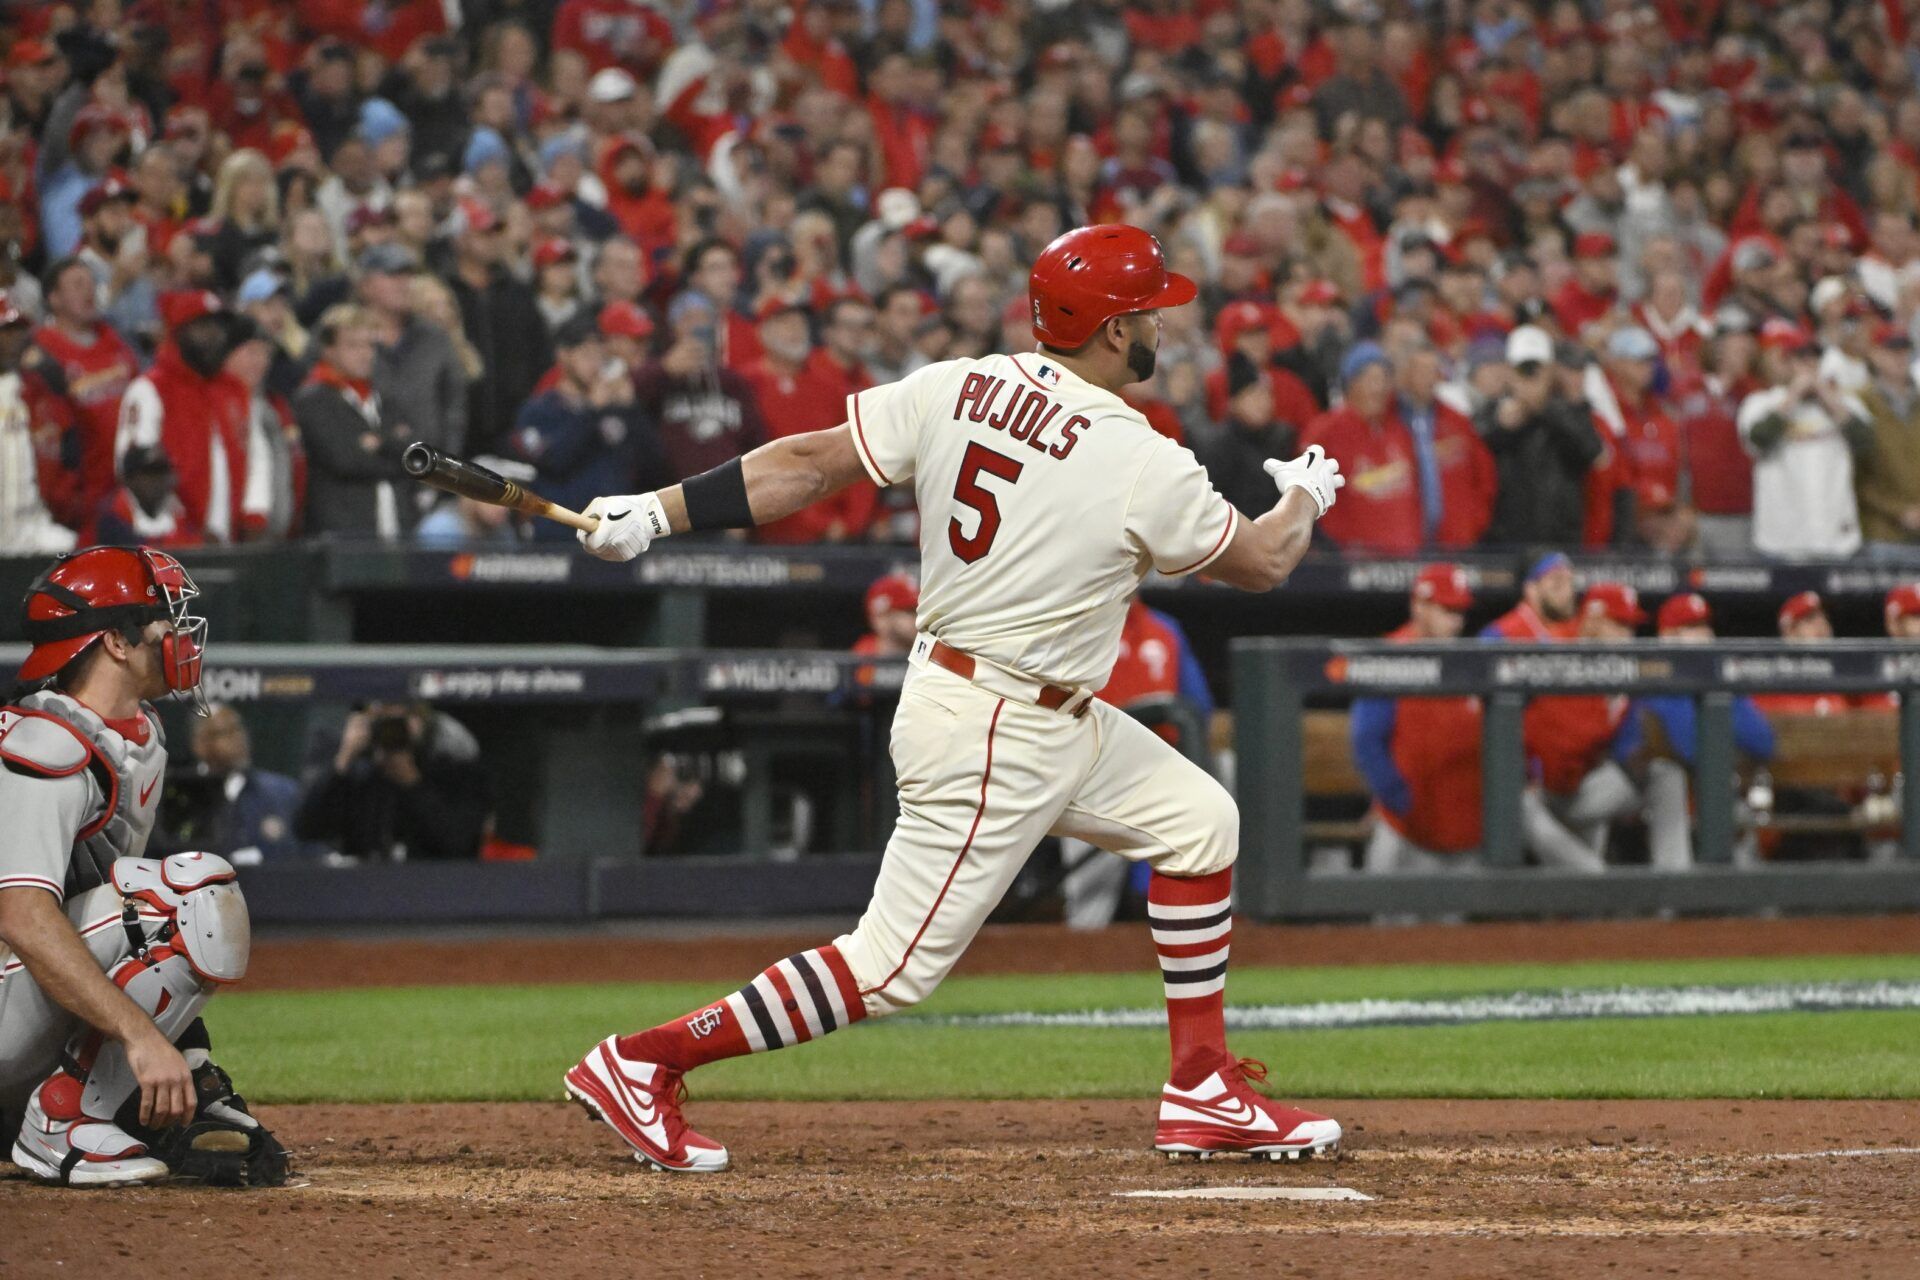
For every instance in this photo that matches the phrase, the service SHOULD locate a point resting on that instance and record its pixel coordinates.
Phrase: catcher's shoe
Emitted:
(60, 1144)
(641, 1102)
(1223, 1113)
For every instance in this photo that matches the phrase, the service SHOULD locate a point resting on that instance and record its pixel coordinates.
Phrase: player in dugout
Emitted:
(1573, 746)
(1421, 756)
(1664, 729)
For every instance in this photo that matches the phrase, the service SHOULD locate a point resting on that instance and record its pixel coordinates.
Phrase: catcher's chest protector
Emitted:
(127, 781)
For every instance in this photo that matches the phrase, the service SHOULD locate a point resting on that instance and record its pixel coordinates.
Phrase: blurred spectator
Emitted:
(32, 464)
(143, 508)
(1421, 756)
(1803, 435)
(463, 524)
(97, 364)
(1592, 290)
(315, 278)
(1376, 452)
(627, 330)
(262, 301)
(275, 479)
(422, 384)
(246, 214)
(188, 405)
(1652, 506)
(1456, 470)
(402, 782)
(1718, 466)
(701, 414)
(556, 282)
(1543, 446)
(241, 812)
(1574, 745)
(94, 141)
(711, 272)
(503, 324)
(1887, 482)
(1250, 434)
(1664, 729)
(114, 248)
(794, 393)
(898, 312)
(356, 486)
(1802, 619)
(433, 303)
(585, 436)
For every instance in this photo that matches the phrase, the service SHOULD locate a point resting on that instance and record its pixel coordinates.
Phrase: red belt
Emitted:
(1052, 696)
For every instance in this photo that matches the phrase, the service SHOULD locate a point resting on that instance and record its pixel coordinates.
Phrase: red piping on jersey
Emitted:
(1232, 518)
(1030, 378)
(860, 434)
(978, 814)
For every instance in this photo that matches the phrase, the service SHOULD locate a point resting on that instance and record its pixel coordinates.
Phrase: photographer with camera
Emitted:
(403, 783)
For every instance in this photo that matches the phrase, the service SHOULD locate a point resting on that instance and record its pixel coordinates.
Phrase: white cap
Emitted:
(896, 207)
(611, 85)
(1826, 293)
(1529, 344)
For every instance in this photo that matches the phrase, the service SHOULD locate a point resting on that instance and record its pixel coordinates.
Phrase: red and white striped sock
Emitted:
(1192, 922)
(800, 998)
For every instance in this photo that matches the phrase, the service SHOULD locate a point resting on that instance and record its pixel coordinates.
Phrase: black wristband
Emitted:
(717, 499)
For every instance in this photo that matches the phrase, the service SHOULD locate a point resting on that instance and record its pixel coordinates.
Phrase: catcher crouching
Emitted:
(106, 957)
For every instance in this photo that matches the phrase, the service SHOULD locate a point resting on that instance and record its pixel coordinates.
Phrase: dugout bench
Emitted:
(1286, 746)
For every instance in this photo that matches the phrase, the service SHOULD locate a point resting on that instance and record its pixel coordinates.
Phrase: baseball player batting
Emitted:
(1044, 500)
(107, 957)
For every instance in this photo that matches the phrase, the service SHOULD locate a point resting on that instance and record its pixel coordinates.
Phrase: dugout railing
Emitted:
(1277, 680)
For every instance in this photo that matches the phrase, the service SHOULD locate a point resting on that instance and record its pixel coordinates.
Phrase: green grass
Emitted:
(400, 1044)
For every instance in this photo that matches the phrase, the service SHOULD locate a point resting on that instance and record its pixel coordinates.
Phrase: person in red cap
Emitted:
(1246, 328)
(1804, 436)
(1594, 288)
(95, 140)
(1887, 484)
(1574, 745)
(1902, 612)
(627, 330)
(189, 407)
(1662, 736)
(1803, 620)
(891, 603)
(556, 281)
(1421, 756)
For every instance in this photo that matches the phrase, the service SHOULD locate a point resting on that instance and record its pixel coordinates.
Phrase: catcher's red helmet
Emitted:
(1092, 274)
(101, 589)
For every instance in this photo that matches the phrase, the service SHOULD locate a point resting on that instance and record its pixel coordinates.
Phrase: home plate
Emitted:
(1248, 1193)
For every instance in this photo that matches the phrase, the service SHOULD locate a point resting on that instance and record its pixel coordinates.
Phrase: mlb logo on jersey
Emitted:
(1048, 375)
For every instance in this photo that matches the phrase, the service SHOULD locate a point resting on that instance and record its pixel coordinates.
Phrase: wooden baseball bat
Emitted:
(471, 480)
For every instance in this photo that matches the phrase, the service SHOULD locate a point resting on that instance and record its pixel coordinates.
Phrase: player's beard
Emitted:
(1140, 358)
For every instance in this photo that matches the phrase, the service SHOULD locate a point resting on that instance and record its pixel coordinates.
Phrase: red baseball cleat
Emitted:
(640, 1101)
(1223, 1113)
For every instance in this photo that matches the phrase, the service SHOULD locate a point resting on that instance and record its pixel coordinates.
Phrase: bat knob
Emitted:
(418, 459)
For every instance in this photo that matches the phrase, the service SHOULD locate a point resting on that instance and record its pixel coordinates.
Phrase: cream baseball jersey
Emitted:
(1043, 502)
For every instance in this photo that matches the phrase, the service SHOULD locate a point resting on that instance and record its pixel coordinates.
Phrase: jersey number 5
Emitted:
(967, 490)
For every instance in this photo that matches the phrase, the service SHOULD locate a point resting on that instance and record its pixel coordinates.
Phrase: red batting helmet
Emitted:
(1092, 274)
(89, 593)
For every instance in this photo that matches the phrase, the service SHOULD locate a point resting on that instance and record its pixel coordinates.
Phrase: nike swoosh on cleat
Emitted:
(1242, 1115)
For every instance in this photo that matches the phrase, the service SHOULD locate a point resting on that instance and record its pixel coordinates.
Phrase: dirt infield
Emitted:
(1026, 1189)
(598, 957)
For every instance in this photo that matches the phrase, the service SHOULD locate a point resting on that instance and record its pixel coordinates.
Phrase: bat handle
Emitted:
(572, 519)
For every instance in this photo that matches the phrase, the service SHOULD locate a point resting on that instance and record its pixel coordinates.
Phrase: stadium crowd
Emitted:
(1607, 274)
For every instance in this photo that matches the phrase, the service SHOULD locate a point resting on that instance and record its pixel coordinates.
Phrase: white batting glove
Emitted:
(628, 525)
(1313, 471)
